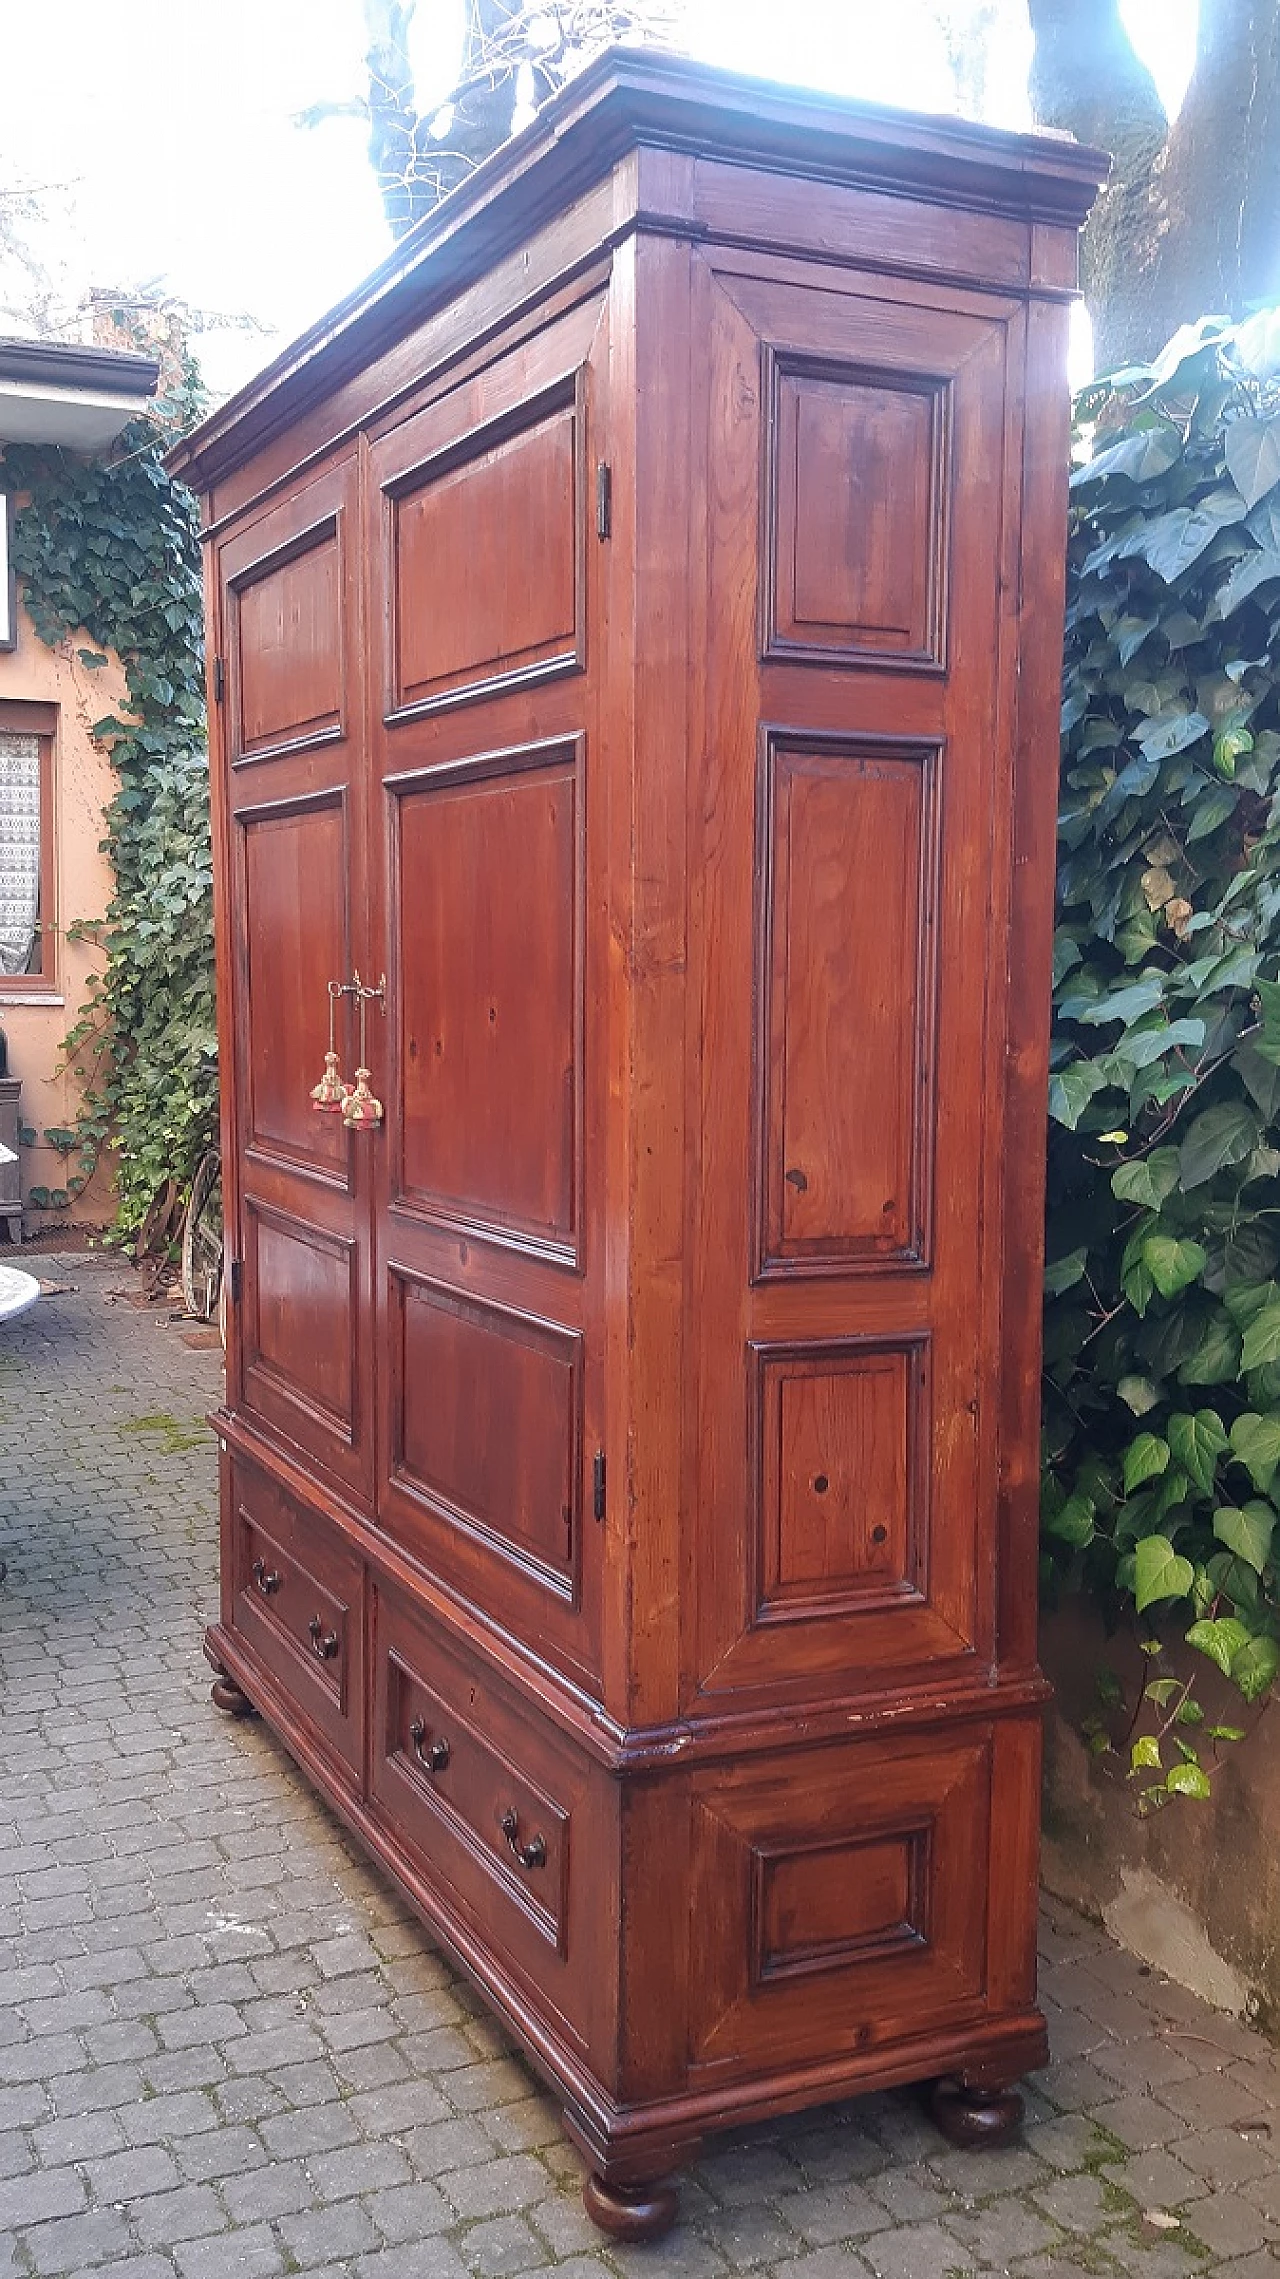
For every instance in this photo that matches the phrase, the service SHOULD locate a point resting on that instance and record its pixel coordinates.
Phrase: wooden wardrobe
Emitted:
(634, 637)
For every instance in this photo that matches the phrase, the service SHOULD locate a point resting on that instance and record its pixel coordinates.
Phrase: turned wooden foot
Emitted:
(975, 2116)
(630, 2211)
(227, 1696)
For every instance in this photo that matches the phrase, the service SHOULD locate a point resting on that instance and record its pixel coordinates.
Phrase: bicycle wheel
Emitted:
(202, 1240)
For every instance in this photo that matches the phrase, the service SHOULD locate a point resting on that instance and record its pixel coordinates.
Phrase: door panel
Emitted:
(301, 1361)
(845, 819)
(489, 1285)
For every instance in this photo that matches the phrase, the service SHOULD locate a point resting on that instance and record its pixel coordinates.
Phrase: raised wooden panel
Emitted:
(842, 1477)
(487, 1424)
(839, 1899)
(300, 1324)
(485, 569)
(287, 662)
(294, 871)
(846, 1002)
(849, 1890)
(857, 505)
(489, 904)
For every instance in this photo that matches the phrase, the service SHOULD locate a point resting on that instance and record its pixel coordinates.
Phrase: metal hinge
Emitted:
(235, 1280)
(597, 1484)
(219, 681)
(604, 500)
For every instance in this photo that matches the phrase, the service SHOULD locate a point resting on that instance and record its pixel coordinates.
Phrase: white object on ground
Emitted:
(17, 1292)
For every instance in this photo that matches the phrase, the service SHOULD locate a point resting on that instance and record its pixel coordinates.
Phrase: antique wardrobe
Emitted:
(634, 639)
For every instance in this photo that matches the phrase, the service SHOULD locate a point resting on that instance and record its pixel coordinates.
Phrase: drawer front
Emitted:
(499, 1813)
(844, 1891)
(297, 1591)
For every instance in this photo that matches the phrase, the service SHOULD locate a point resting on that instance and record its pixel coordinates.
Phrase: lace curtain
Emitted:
(19, 851)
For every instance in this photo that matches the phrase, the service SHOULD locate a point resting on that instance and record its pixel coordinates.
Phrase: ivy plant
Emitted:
(1161, 1484)
(108, 555)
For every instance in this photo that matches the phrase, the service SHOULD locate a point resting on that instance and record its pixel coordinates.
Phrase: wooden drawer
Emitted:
(297, 1592)
(497, 1811)
(843, 1893)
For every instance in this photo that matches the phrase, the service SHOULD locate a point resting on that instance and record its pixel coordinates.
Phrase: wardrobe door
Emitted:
(291, 720)
(484, 554)
(849, 826)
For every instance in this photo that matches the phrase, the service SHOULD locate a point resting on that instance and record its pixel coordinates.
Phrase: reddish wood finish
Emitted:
(639, 615)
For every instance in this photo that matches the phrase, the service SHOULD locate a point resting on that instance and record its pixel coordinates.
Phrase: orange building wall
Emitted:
(83, 785)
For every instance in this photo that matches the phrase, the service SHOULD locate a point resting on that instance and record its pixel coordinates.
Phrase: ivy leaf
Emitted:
(1149, 1181)
(1071, 1089)
(1216, 1359)
(1256, 1441)
(1140, 457)
(1262, 1337)
(1254, 1667)
(1172, 1261)
(1188, 1780)
(1129, 1003)
(1247, 1531)
(1073, 1523)
(1222, 1135)
(1064, 1273)
(1196, 1443)
(1252, 451)
(1159, 1572)
(1221, 1640)
(1138, 1394)
(1144, 1459)
(1170, 732)
(1145, 1753)
(1253, 571)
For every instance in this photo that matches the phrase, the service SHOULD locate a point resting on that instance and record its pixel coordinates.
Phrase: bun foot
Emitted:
(226, 1695)
(630, 2211)
(975, 2116)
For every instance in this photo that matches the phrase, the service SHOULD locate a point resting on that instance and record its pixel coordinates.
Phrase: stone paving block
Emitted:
(502, 2248)
(75, 2243)
(832, 2212)
(317, 2235)
(162, 2219)
(38, 2195)
(126, 2175)
(916, 2251)
(409, 2211)
(257, 2254)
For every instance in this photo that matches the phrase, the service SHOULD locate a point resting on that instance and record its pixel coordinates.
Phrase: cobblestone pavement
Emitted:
(226, 2051)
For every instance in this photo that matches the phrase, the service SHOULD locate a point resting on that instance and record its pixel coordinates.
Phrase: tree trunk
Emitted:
(1189, 223)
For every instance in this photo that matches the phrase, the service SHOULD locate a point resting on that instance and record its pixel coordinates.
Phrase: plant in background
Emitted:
(1162, 1317)
(110, 550)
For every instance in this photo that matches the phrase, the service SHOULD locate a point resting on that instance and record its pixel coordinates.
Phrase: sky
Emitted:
(170, 141)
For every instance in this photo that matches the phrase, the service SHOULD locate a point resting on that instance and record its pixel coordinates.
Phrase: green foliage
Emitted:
(1162, 1311)
(110, 550)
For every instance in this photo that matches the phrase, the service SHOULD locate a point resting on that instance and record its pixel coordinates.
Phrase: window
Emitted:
(27, 924)
(8, 576)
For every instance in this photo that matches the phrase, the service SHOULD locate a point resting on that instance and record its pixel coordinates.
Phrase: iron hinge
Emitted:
(597, 1484)
(219, 680)
(235, 1280)
(604, 500)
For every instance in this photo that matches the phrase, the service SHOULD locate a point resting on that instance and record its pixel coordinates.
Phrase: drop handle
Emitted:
(324, 1644)
(266, 1578)
(530, 1855)
(432, 1759)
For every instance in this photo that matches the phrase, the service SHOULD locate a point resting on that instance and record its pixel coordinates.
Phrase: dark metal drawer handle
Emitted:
(265, 1577)
(324, 1644)
(434, 1759)
(531, 1855)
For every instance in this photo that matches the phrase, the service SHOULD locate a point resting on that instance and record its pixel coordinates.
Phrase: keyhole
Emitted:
(879, 1534)
(821, 1484)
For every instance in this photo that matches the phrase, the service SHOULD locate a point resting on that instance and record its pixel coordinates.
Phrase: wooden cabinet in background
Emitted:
(635, 625)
